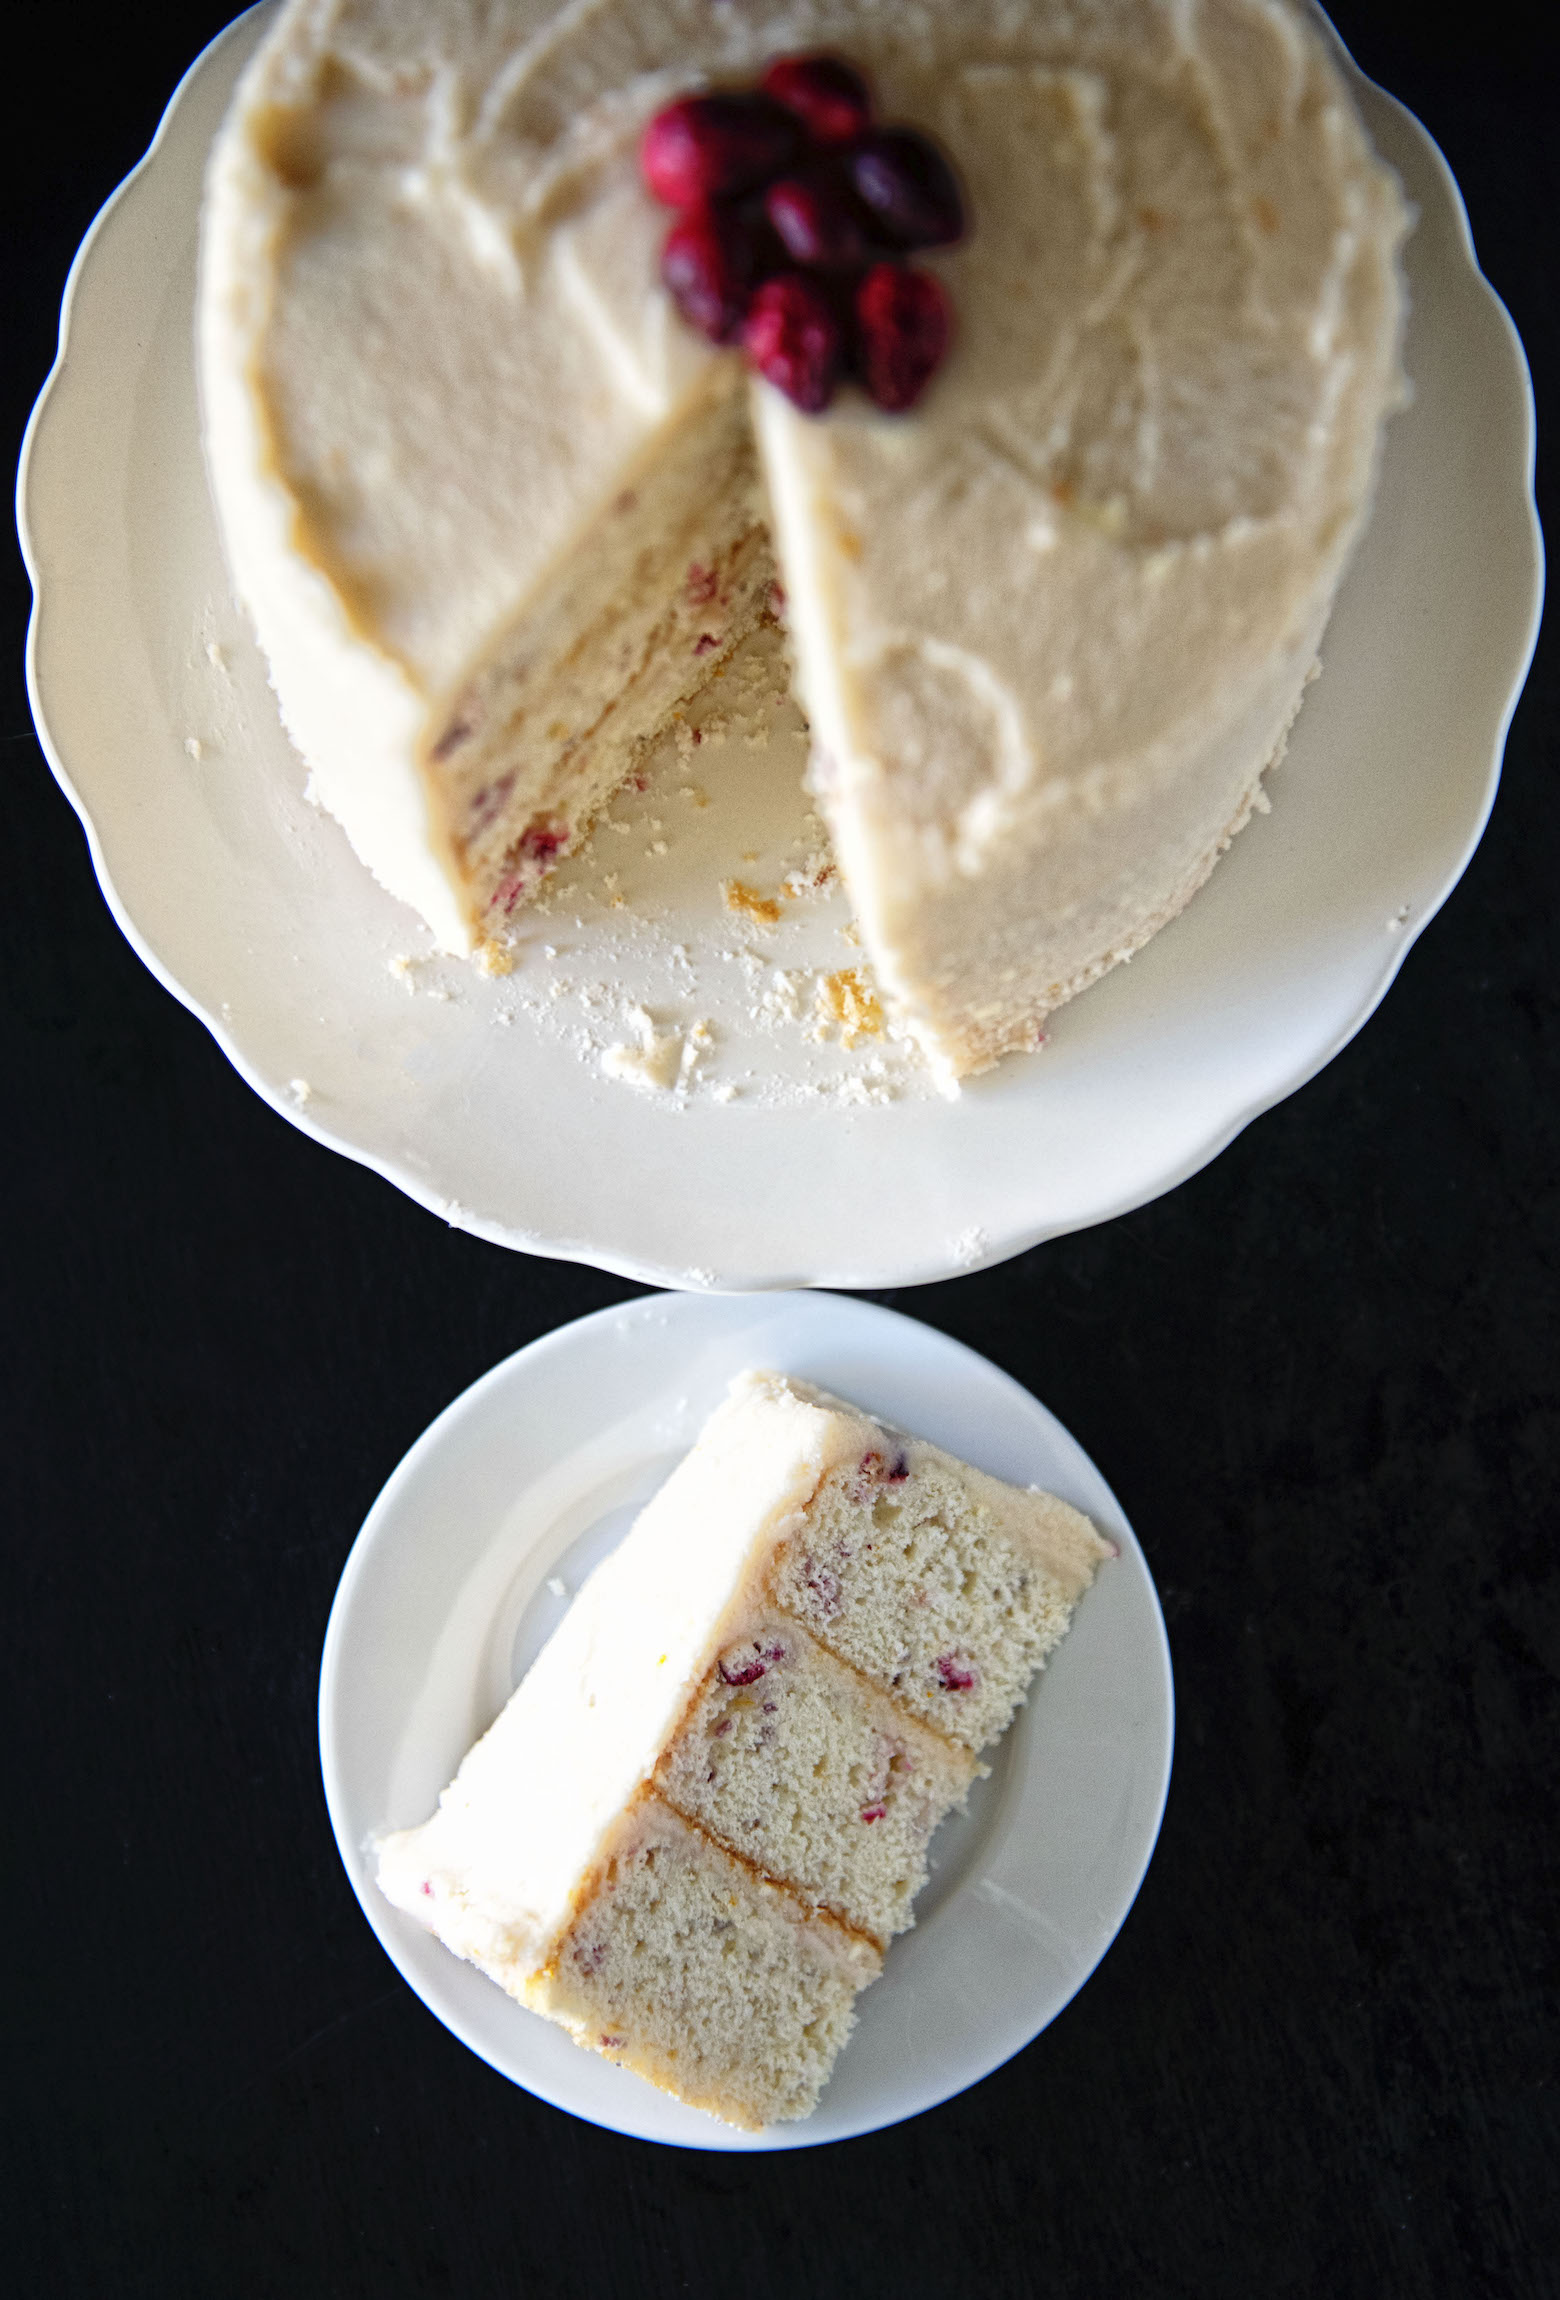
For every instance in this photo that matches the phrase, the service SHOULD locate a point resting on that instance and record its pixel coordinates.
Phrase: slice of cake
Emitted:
(497, 509)
(705, 1812)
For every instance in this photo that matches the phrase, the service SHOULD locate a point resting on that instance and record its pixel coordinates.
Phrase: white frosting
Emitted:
(526, 1820)
(1049, 628)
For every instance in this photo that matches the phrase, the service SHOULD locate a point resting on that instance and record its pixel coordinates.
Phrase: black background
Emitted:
(1322, 1376)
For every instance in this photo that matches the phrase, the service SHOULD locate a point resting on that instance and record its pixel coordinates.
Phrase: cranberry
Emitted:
(543, 843)
(816, 220)
(911, 191)
(708, 266)
(902, 328)
(831, 97)
(795, 341)
(488, 804)
(954, 1676)
(711, 147)
(738, 1671)
(461, 731)
(873, 1812)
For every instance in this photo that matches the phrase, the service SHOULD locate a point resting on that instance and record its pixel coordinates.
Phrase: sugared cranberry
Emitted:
(795, 341)
(708, 265)
(830, 96)
(902, 328)
(712, 147)
(953, 1675)
(911, 192)
(815, 218)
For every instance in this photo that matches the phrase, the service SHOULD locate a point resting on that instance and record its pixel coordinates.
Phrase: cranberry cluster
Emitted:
(796, 218)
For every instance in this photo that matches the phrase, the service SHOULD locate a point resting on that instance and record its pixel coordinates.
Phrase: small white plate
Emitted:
(475, 1097)
(533, 1476)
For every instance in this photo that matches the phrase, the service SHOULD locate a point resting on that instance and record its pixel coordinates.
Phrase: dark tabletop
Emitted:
(1322, 1377)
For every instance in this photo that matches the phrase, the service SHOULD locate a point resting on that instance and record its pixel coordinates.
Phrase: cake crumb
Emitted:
(493, 958)
(748, 902)
(654, 1065)
(299, 1091)
(557, 1586)
(194, 747)
(846, 999)
(697, 1043)
(725, 1092)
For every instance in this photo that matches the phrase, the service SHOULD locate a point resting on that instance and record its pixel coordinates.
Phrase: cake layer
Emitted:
(690, 1968)
(1050, 627)
(944, 1586)
(797, 1764)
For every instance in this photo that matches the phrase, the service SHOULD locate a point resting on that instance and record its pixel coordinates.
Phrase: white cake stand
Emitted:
(487, 1101)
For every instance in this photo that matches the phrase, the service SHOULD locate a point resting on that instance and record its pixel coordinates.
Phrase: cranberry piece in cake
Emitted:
(830, 96)
(794, 340)
(902, 328)
(908, 187)
(713, 147)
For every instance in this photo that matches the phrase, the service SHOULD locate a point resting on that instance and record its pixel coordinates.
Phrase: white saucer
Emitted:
(533, 1476)
(154, 709)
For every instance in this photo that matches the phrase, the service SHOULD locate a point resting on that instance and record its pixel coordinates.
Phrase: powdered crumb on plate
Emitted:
(653, 1063)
